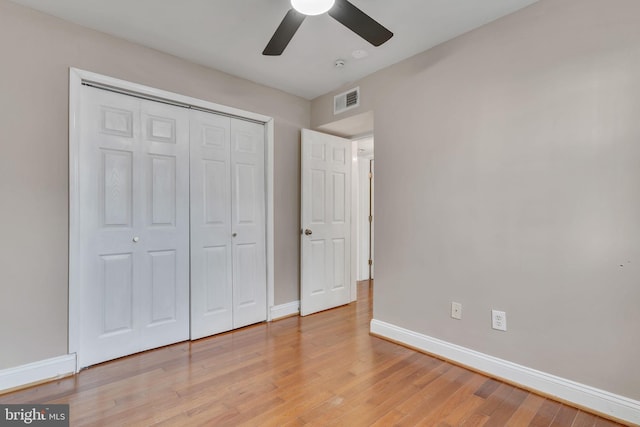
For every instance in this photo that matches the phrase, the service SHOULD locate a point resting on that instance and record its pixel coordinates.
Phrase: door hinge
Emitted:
(370, 262)
(370, 175)
(370, 218)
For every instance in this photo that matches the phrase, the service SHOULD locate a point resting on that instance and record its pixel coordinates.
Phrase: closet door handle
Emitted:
(308, 232)
(234, 234)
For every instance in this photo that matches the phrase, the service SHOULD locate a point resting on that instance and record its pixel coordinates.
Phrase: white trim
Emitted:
(75, 83)
(83, 76)
(76, 78)
(603, 402)
(354, 219)
(37, 372)
(270, 138)
(284, 310)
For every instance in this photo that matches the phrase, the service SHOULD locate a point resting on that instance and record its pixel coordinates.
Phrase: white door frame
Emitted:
(355, 202)
(79, 77)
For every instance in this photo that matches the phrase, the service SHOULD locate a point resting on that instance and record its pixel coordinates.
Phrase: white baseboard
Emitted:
(37, 372)
(615, 406)
(285, 310)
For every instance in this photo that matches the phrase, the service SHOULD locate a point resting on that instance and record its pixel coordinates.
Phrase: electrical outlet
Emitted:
(499, 320)
(456, 310)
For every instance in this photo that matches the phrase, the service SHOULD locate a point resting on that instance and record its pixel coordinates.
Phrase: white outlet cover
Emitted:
(499, 320)
(456, 310)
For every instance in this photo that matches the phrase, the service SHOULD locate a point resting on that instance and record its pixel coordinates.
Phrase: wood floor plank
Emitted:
(475, 420)
(601, 422)
(351, 400)
(390, 419)
(565, 416)
(413, 406)
(487, 388)
(435, 395)
(544, 417)
(496, 399)
(507, 408)
(469, 406)
(289, 410)
(584, 419)
(451, 403)
(526, 411)
(324, 369)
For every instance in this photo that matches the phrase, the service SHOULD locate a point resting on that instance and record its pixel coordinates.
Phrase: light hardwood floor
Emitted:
(323, 369)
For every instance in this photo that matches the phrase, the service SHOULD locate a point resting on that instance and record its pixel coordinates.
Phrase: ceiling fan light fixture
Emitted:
(312, 7)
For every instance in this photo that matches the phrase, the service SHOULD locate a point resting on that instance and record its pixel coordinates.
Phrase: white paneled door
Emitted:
(211, 251)
(325, 219)
(134, 225)
(228, 247)
(248, 223)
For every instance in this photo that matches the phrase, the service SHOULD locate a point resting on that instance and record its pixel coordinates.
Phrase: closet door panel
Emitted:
(211, 250)
(248, 216)
(165, 159)
(133, 262)
(228, 236)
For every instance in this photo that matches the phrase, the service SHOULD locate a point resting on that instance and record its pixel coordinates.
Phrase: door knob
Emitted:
(136, 239)
(234, 234)
(308, 232)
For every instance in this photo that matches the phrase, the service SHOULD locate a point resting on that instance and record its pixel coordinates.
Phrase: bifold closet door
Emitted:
(248, 218)
(228, 243)
(134, 225)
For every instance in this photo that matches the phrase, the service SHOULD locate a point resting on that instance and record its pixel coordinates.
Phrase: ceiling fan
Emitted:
(341, 10)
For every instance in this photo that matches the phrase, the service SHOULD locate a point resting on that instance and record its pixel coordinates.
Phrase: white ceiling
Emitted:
(229, 35)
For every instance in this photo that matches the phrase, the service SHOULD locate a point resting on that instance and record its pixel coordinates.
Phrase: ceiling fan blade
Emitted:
(284, 33)
(359, 22)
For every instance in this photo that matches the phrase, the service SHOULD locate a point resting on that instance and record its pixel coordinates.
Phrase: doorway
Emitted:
(359, 129)
(365, 208)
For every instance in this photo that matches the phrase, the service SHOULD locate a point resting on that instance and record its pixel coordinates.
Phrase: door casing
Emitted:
(77, 78)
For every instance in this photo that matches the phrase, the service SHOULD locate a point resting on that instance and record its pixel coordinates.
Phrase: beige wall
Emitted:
(36, 52)
(508, 177)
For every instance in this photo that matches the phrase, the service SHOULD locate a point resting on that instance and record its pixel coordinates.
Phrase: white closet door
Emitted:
(211, 253)
(134, 225)
(228, 247)
(248, 223)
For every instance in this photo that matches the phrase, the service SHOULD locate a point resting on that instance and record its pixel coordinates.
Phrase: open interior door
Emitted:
(326, 222)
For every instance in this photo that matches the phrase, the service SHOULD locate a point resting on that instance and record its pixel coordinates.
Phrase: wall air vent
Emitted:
(346, 101)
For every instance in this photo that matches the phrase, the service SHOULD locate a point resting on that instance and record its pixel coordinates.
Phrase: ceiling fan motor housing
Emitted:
(312, 7)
